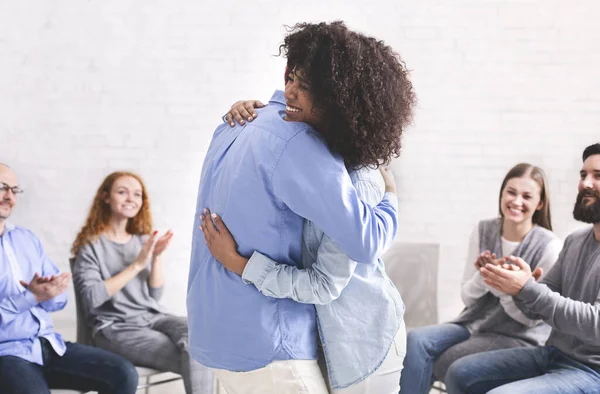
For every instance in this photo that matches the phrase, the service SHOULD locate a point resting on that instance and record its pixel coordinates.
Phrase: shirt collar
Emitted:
(8, 227)
(278, 97)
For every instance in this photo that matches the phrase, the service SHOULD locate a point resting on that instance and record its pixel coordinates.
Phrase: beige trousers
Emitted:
(279, 377)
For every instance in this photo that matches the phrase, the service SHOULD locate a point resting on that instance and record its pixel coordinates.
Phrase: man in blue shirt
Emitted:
(263, 178)
(34, 358)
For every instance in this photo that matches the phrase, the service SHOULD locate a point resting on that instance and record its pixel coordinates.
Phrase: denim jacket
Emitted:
(359, 310)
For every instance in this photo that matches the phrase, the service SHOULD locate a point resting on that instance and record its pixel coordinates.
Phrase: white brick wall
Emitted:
(91, 87)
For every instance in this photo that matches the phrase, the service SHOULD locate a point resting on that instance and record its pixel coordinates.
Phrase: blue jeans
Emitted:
(82, 368)
(520, 371)
(424, 345)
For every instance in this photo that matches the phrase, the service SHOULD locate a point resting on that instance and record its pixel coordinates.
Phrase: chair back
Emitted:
(84, 333)
(413, 267)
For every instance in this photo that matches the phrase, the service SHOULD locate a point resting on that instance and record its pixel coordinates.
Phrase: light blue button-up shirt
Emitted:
(263, 179)
(22, 319)
(359, 309)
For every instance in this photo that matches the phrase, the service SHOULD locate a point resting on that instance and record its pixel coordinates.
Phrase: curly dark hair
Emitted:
(361, 86)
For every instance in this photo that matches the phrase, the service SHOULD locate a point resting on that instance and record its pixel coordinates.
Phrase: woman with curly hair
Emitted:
(356, 92)
(118, 277)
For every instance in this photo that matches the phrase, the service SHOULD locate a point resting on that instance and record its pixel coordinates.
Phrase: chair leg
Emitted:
(148, 384)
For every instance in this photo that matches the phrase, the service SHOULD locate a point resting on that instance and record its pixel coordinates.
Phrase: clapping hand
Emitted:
(506, 278)
(536, 274)
(162, 243)
(147, 251)
(487, 258)
(45, 288)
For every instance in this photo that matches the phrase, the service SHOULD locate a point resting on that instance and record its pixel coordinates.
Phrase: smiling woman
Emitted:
(299, 102)
(118, 276)
(524, 201)
(356, 87)
(355, 91)
(107, 196)
(490, 320)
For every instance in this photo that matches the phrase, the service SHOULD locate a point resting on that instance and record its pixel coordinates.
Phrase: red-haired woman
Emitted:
(118, 277)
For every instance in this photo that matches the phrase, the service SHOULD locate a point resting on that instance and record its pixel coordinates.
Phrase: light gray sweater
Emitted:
(568, 298)
(101, 260)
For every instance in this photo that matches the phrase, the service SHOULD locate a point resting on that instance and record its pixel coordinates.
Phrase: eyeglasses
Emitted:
(4, 188)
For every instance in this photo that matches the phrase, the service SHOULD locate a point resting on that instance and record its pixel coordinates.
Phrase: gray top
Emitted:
(487, 313)
(568, 298)
(101, 260)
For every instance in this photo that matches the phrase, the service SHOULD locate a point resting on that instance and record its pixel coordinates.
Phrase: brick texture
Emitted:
(87, 88)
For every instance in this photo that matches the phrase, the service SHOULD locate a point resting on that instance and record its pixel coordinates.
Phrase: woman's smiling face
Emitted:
(299, 101)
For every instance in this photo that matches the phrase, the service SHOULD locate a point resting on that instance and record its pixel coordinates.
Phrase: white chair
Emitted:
(84, 336)
(413, 267)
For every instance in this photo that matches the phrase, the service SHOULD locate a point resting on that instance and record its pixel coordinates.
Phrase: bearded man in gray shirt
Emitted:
(567, 298)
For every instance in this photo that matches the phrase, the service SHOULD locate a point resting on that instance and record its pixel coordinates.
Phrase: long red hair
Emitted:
(99, 215)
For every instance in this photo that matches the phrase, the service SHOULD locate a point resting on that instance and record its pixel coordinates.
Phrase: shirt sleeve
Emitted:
(156, 292)
(89, 285)
(48, 268)
(314, 184)
(546, 262)
(473, 287)
(551, 280)
(571, 317)
(12, 306)
(320, 284)
(544, 301)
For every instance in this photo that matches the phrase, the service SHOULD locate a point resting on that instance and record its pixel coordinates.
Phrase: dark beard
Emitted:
(589, 213)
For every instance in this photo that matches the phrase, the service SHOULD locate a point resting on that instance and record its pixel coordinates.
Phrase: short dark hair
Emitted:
(361, 86)
(591, 150)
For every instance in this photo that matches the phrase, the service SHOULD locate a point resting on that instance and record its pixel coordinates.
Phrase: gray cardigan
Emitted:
(487, 315)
